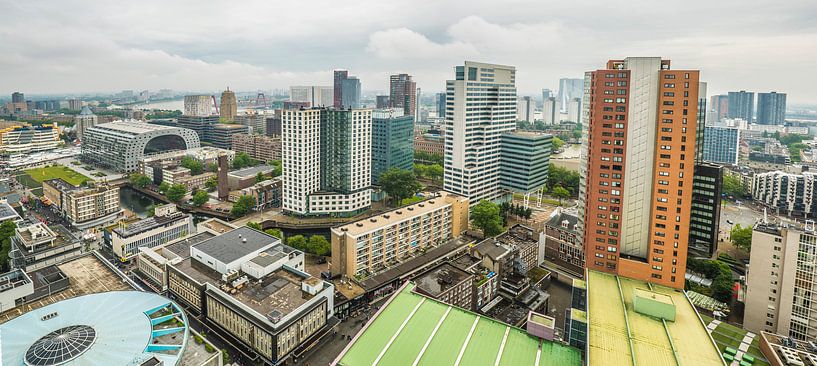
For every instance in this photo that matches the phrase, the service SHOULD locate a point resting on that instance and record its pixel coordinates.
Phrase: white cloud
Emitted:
(404, 43)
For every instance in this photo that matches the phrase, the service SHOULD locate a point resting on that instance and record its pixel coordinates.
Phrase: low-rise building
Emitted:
(240, 179)
(24, 140)
(267, 194)
(563, 247)
(429, 143)
(14, 287)
(253, 290)
(259, 147)
(166, 225)
(781, 350)
(448, 284)
(372, 245)
(221, 134)
(84, 207)
(37, 246)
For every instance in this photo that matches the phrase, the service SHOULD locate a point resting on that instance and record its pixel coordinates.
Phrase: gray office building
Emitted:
(721, 145)
(392, 141)
(704, 222)
(771, 108)
(524, 158)
(742, 105)
(441, 105)
(350, 94)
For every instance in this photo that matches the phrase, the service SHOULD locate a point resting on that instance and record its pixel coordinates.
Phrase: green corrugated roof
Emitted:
(413, 328)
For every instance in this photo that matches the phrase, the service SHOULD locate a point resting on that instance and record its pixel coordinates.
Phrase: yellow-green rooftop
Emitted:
(618, 335)
(412, 329)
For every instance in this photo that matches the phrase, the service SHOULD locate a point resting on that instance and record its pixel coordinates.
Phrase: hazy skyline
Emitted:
(85, 46)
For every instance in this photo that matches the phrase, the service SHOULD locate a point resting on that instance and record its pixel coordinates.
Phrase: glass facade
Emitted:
(392, 143)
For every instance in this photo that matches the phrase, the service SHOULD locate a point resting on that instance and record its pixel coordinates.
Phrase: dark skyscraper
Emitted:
(350, 93)
(719, 105)
(340, 76)
(742, 105)
(403, 93)
(382, 101)
(704, 225)
(441, 105)
(771, 108)
(17, 97)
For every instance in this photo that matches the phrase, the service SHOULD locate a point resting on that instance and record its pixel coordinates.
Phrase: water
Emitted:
(136, 201)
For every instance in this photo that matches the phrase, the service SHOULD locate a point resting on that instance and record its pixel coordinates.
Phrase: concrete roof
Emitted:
(618, 335)
(395, 216)
(413, 329)
(440, 279)
(231, 245)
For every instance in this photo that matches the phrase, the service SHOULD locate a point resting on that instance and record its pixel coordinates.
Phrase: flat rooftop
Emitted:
(235, 244)
(278, 293)
(252, 172)
(7, 212)
(395, 216)
(217, 225)
(440, 279)
(86, 274)
(182, 247)
(149, 223)
(412, 264)
(414, 329)
(133, 127)
(618, 335)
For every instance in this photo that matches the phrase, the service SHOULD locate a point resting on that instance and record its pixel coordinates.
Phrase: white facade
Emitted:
(317, 96)
(550, 111)
(165, 226)
(332, 182)
(525, 107)
(198, 105)
(482, 102)
(25, 140)
(574, 110)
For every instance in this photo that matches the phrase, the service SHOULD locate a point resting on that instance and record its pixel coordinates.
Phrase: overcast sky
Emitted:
(69, 46)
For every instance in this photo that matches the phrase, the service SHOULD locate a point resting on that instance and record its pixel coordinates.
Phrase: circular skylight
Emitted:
(60, 346)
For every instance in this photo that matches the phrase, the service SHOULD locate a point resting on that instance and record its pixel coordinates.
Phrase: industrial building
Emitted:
(372, 245)
(120, 145)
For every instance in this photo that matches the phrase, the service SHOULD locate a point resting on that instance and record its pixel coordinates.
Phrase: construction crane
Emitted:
(215, 104)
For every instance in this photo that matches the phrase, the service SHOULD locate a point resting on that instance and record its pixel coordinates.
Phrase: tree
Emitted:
(277, 168)
(435, 172)
(176, 192)
(399, 184)
(139, 180)
(485, 216)
(557, 143)
(6, 232)
(242, 160)
(254, 225)
(200, 198)
(242, 206)
(211, 184)
(560, 193)
(732, 186)
(568, 179)
(260, 177)
(428, 157)
(741, 237)
(195, 166)
(318, 245)
(276, 233)
(212, 167)
(164, 187)
(298, 242)
(151, 211)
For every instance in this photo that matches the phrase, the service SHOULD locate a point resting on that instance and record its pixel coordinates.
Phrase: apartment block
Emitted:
(258, 147)
(327, 160)
(781, 280)
(563, 245)
(84, 207)
(166, 225)
(403, 94)
(638, 162)
(771, 108)
(787, 193)
(480, 107)
(372, 245)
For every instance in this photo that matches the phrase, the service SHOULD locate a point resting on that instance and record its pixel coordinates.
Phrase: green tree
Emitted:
(560, 193)
(485, 216)
(298, 242)
(254, 225)
(741, 237)
(139, 180)
(242, 160)
(318, 245)
(399, 184)
(278, 168)
(242, 206)
(195, 166)
(176, 192)
(164, 187)
(435, 172)
(276, 233)
(568, 179)
(151, 211)
(200, 198)
(6, 232)
(425, 157)
(260, 177)
(212, 167)
(211, 184)
(732, 186)
(557, 143)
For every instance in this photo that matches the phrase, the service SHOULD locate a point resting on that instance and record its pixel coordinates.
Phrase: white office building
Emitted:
(480, 107)
(574, 110)
(550, 111)
(327, 161)
(525, 107)
(198, 105)
(317, 96)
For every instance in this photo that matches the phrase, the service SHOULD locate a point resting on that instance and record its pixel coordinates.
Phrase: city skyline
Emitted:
(169, 51)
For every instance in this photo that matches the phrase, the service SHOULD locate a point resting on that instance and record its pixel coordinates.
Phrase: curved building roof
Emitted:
(110, 328)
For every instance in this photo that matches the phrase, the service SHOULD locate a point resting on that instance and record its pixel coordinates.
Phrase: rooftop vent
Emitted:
(421, 205)
(359, 224)
(399, 212)
(373, 220)
(431, 202)
(386, 216)
(244, 240)
(411, 208)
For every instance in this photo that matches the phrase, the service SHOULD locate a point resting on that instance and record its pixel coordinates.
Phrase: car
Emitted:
(730, 222)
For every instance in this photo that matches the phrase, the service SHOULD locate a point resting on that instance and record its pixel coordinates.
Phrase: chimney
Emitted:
(223, 189)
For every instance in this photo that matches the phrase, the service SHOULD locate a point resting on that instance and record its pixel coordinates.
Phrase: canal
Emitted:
(140, 203)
